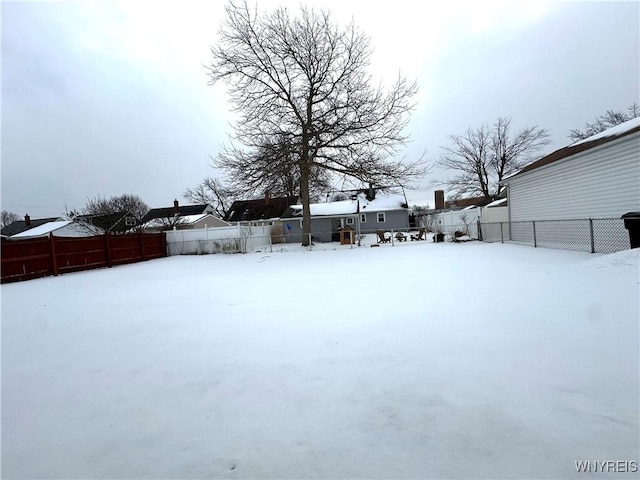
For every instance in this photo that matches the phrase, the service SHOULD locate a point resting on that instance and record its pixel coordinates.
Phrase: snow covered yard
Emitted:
(417, 361)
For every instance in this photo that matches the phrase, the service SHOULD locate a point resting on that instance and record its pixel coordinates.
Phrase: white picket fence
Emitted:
(235, 239)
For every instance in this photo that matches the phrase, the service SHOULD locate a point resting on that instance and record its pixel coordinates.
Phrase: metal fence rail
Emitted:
(595, 235)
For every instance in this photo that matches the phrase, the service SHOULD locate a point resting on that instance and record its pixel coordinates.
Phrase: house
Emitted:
(595, 177)
(60, 228)
(365, 212)
(180, 222)
(20, 226)
(176, 210)
(461, 203)
(117, 222)
(259, 212)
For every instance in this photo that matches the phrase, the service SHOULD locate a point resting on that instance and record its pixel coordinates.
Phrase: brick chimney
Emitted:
(372, 193)
(27, 220)
(267, 198)
(176, 208)
(439, 194)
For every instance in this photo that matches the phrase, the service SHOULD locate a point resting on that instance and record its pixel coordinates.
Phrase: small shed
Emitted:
(347, 235)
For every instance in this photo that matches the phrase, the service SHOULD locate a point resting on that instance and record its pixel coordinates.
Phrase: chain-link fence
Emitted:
(595, 235)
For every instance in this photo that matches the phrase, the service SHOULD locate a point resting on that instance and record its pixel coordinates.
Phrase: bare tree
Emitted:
(212, 192)
(8, 218)
(165, 223)
(484, 156)
(301, 81)
(610, 119)
(272, 166)
(122, 203)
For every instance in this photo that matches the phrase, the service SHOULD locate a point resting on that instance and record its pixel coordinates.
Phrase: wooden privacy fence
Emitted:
(40, 257)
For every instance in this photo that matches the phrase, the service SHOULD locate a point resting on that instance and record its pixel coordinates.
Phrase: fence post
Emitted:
(479, 231)
(392, 244)
(163, 241)
(141, 237)
(501, 233)
(107, 249)
(54, 259)
(535, 242)
(593, 244)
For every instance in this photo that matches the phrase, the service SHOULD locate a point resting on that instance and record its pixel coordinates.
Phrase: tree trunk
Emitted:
(305, 171)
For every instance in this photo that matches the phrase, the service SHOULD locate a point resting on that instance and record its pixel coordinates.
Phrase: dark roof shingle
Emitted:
(260, 209)
(169, 212)
(112, 222)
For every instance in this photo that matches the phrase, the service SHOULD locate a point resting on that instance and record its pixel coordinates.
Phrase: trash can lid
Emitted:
(631, 215)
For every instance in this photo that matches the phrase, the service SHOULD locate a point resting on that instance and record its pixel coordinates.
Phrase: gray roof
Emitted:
(20, 226)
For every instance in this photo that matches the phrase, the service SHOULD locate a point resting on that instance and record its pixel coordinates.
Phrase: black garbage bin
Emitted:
(632, 223)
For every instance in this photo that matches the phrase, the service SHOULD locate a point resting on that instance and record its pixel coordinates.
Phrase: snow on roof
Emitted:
(381, 203)
(196, 218)
(610, 132)
(42, 229)
(193, 218)
(495, 203)
(342, 207)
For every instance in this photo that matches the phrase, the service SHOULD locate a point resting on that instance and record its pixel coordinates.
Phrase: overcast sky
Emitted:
(112, 97)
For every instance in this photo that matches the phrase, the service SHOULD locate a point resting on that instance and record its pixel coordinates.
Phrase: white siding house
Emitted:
(596, 177)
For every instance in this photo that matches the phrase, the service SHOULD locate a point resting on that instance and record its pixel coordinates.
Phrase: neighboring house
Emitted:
(259, 212)
(176, 211)
(460, 203)
(20, 226)
(365, 213)
(595, 177)
(118, 222)
(185, 222)
(60, 228)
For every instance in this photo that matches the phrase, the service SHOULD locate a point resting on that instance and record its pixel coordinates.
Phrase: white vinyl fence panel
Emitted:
(235, 239)
(465, 221)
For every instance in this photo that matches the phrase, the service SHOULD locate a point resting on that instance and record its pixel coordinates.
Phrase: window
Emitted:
(381, 218)
(363, 218)
(350, 221)
(129, 221)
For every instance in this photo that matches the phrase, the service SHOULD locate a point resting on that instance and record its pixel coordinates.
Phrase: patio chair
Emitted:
(382, 238)
(401, 237)
(421, 235)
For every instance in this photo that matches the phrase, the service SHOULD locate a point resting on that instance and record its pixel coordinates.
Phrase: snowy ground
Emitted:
(417, 361)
